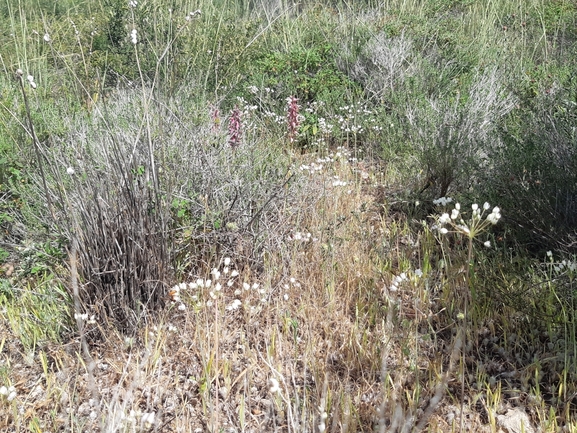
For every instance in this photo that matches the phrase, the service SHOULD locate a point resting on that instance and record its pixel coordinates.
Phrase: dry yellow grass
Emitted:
(340, 332)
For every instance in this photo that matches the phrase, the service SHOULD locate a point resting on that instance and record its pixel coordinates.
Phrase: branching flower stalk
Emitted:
(477, 224)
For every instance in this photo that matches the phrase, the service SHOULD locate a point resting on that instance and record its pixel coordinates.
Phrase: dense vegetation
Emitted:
(257, 215)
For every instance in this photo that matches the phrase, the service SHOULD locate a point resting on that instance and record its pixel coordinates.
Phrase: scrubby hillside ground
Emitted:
(271, 217)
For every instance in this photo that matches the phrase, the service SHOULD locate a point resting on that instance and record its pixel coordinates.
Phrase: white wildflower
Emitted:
(444, 219)
(494, 216)
(274, 385)
(148, 419)
(70, 171)
(133, 36)
(30, 79)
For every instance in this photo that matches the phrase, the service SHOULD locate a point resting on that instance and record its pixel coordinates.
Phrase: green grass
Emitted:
(349, 310)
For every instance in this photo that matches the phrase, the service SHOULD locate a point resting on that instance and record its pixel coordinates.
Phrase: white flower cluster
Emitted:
(562, 266)
(147, 419)
(133, 36)
(494, 216)
(30, 79)
(8, 392)
(294, 284)
(474, 226)
(338, 182)
(322, 424)
(302, 237)
(274, 386)
(191, 15)
(442, 201)
(84, 317)
(153, 331)
(399, 280)
(312, 168)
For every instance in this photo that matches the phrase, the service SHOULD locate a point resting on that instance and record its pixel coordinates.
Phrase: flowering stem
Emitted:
(37, 148)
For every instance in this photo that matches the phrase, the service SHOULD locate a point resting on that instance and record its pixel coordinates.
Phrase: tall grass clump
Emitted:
(145, 209)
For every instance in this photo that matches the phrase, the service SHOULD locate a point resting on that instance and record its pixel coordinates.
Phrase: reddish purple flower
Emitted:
(215, 116)
(234, 128)
(293, 118)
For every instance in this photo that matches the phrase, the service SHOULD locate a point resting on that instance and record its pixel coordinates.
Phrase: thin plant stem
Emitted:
(36, 142)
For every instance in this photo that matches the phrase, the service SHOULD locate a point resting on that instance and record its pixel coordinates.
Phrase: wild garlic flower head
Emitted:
(133, 36)
(444, 219)
(494, 216)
